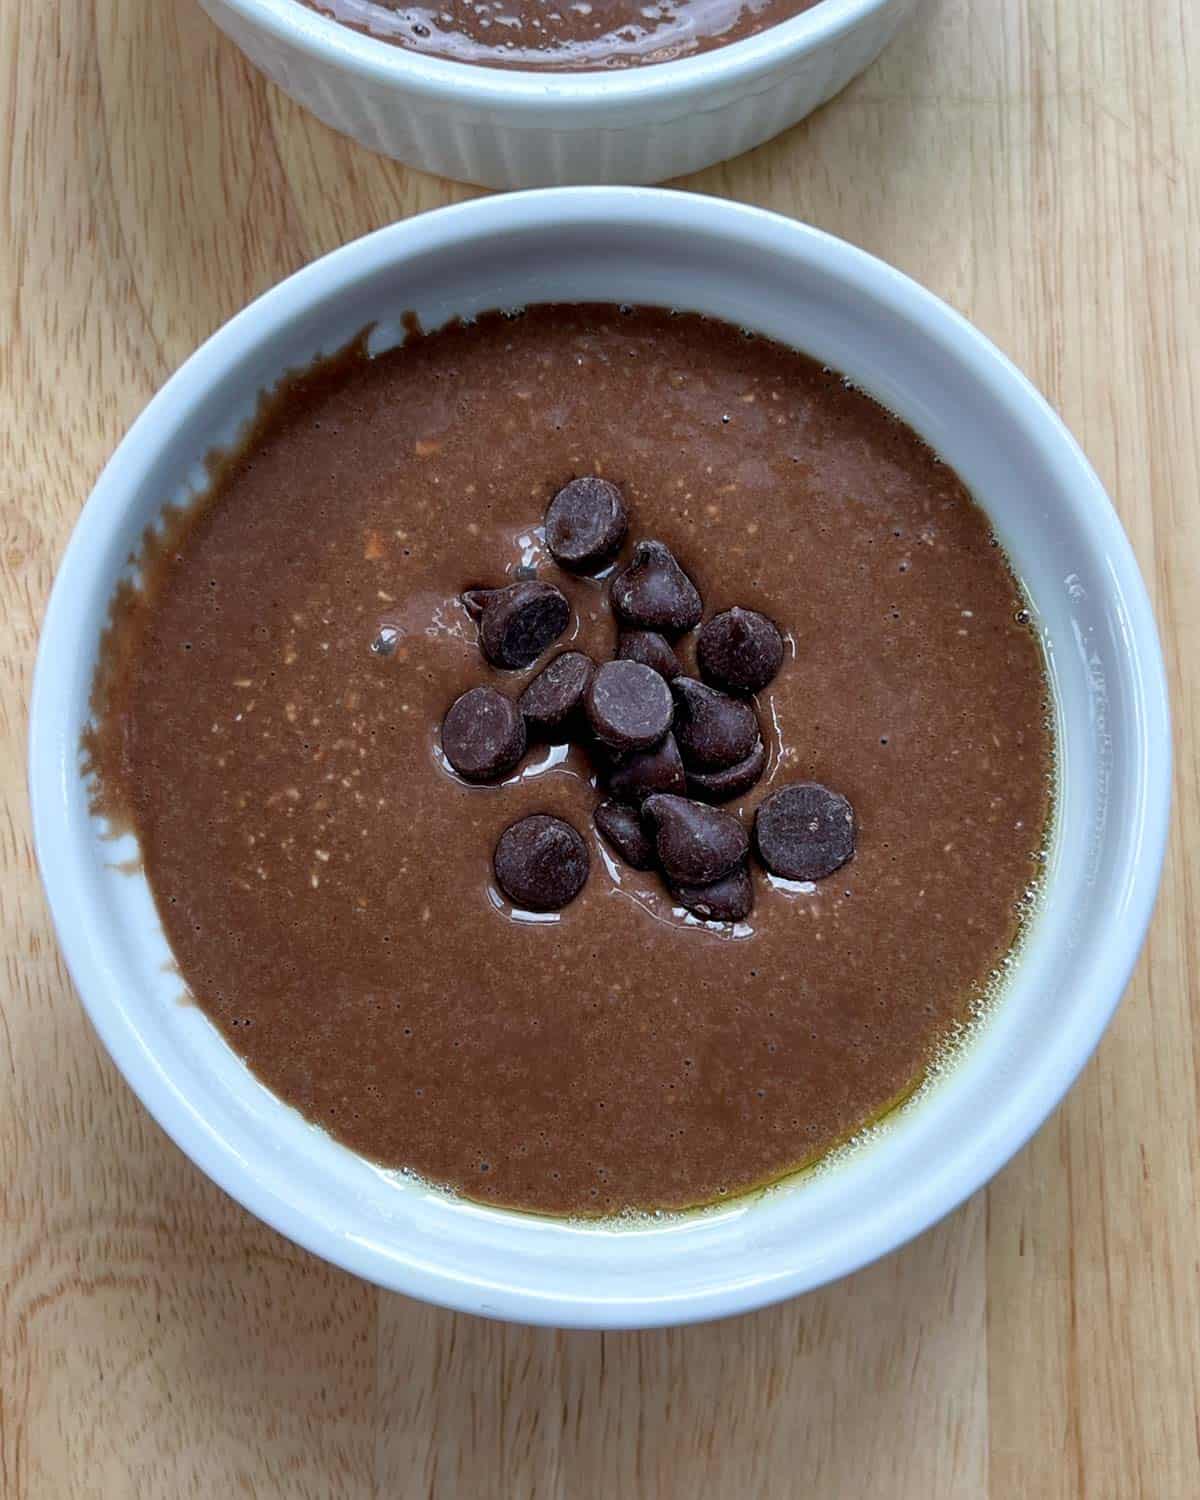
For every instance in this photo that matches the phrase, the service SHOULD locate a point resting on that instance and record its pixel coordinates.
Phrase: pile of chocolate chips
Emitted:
(667, 747)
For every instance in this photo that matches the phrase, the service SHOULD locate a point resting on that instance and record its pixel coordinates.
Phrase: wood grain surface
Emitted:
(1037, 163)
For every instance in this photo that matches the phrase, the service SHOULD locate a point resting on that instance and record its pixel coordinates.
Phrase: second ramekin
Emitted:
(508, 128)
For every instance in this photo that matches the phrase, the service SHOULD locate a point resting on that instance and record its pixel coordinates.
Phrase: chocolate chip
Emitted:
(714, 730)
(541, 863)
(696, 845)
(651, 649)
(736, 781)
(730, 899)
(637, 776)
(804, 831)
(483, 734)
(628, 705)
(585, 524)
(517, 623)
(622, 828)
(557, 690)
(740, 649)
(654, 593)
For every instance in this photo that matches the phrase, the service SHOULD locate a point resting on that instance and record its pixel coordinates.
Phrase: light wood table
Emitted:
(1037, 163)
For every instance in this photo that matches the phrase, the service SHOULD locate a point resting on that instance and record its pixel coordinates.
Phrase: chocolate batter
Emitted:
(268, 715)
(567, 35)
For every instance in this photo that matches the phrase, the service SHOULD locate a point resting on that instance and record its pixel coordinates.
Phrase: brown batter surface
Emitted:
(326, 884)
(569, 35)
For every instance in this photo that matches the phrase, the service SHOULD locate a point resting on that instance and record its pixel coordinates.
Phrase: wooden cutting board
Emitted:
(1037, 163)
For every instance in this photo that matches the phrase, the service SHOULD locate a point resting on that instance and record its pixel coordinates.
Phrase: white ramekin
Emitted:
(508, 128)
(917, 356)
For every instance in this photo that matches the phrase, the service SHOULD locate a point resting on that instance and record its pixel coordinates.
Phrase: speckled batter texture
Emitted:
(325, 883)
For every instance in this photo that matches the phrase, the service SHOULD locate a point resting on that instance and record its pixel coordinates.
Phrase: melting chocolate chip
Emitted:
(730, 899)
(714, 730)
(804, 831)
(586, 524)
(735, 781)
(638, 776)
(696, 844)
(621, 827)
(654, 593)
(517, 623)
(541, 863)
(628, 705)
(483, 734)
(557, 691)
(740, 650)
(651, 649)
